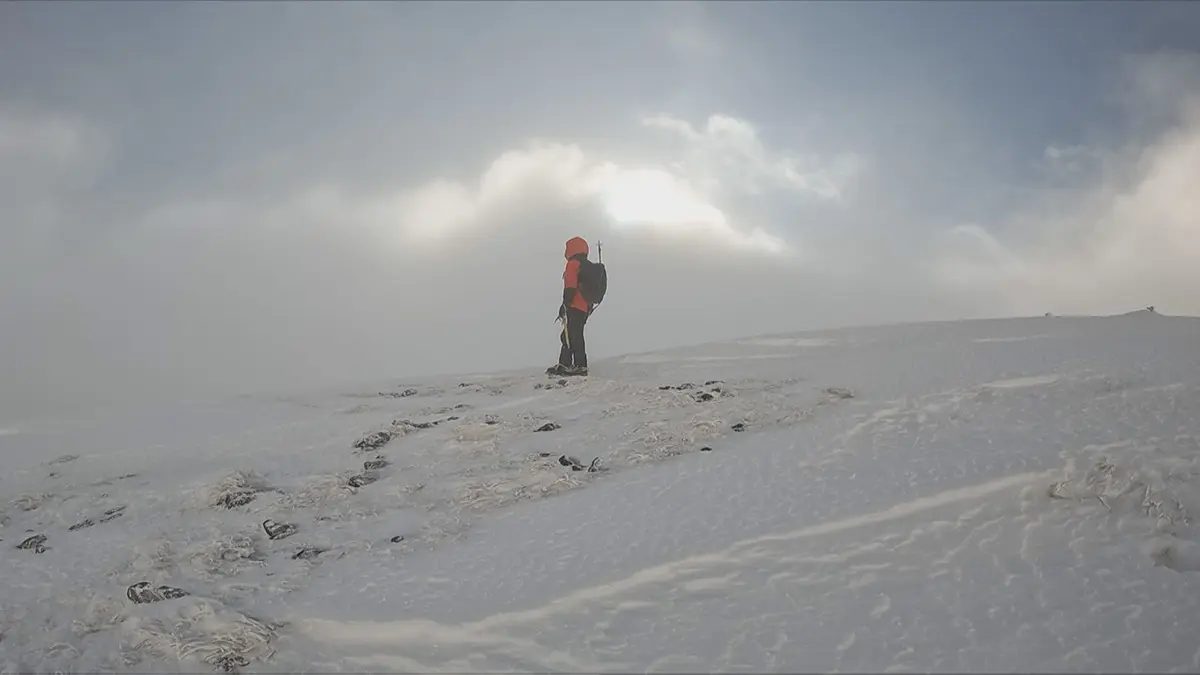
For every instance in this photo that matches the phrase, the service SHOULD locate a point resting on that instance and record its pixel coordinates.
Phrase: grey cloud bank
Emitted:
(218, 198)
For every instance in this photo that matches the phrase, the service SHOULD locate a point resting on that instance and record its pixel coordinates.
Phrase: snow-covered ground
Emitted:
(1009, 495)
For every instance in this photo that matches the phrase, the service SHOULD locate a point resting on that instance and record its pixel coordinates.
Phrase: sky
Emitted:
(222, 198)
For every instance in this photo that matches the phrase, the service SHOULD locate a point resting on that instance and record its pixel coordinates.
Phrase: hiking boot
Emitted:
(557, 369)
(580, 371)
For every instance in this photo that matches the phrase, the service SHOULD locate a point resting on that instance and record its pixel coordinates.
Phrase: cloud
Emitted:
(44, 139)
(1070, 162)
(48, 161)
(42, 154)
(728, 152)
(1130, 238)
(547, 175)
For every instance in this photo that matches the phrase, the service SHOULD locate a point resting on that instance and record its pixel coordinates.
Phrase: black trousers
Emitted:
(574, 349)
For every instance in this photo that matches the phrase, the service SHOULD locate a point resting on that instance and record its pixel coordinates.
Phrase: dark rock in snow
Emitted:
(399, 394)
(86, 522)
(839, 392)
(230, 662)
(558, 384)
(424, 425)
(548, 426)
(397, 539)
(142, 592)
(706, 449)
(373, 441)
(677, 387)
(276, 530)
(36, 543)
(575, 464)
(307, 553)
(236, 499)
(712, 382)
(374, 464)
(365, 478)
(113, 513)
(702, 397)
(740, 426)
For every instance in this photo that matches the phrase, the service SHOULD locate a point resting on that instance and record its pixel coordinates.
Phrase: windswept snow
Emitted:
(923, 497)
(788, 342)
(1013, 338)
(1023, 382)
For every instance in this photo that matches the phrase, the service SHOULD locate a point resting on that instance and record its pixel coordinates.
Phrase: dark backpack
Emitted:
(593, 281)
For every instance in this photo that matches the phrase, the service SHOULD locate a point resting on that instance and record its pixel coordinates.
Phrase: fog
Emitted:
(204, 199)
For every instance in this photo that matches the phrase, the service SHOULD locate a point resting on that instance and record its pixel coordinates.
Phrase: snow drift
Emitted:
(1005, 495)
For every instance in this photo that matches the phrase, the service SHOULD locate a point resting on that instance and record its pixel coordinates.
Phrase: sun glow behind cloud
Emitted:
(648, 197)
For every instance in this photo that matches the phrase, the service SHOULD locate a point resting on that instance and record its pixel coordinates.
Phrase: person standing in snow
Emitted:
(573, 313)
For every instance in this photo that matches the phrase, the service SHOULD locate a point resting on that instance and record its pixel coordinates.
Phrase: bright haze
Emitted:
(219, 198)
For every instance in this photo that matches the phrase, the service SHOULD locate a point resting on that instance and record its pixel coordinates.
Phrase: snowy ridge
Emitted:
(995, 495)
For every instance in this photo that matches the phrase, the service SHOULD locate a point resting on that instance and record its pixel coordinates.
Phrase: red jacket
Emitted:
(576, 246)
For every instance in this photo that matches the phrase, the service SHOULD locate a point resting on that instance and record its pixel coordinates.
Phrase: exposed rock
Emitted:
(276, 530)
(142, 592)
(36, 543)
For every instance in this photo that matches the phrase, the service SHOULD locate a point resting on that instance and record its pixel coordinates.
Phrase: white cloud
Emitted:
(1132, 238)
(548, 175)
(728, 152)
(656, 199)
(1072, 162)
